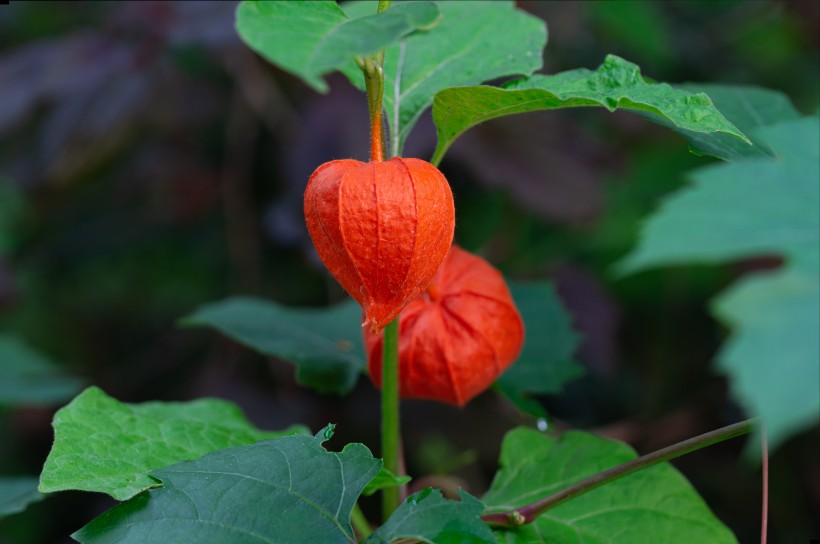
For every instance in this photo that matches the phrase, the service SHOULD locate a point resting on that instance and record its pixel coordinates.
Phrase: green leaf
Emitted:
(757, 207)
(656, 505)
(284, 490)
(103, 445)
(426, 516)
(29, 378)
(748, 108)
(310, 39)
(325, 344)
(12, 207)
(618, 21)
(772, 356)
(546, 362)
(475, 41)
(383, 480)
(16, 493)
(616, 84)
(745, 209)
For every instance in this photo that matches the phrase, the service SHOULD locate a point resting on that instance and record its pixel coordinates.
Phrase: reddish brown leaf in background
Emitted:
(458, 337)
(381, 228)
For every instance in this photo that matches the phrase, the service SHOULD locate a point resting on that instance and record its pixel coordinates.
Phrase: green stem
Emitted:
(390, 413)
(374, 84)
(435, 160)
(529, 513)
(360, 523)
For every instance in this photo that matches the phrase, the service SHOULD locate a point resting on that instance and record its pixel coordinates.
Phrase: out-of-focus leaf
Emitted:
(383, 480)
(325, 344)
(546, 362)
(11, 211)
(29, 378)
(16, 493)
(618, 20)
(285, 490)
(103, 445)
(616, 84)
(476, 41)
(757, 207)
(313, 38)
(748, 108)
(426, 516)
(653, 506)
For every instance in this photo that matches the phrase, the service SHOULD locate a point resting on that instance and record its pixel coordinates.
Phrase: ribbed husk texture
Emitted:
(381, 228)
(458, 337)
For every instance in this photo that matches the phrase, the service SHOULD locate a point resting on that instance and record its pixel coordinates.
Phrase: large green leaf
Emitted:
(101, 444)
(288, 490)
(325, 344)
(616, 84)
(546, 362)
(748, 108)
(426, 516)
(16, 493)
(476, 41)
(653, 506)
(757, 207)
(310, 39)
(29, 378)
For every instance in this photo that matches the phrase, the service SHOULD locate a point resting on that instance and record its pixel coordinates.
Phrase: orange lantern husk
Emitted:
(381, 228)
(457, 338)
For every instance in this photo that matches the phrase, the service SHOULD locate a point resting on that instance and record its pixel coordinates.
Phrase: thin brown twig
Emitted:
(764, 524)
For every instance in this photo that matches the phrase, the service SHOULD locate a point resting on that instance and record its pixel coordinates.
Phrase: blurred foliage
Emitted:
(150, 163)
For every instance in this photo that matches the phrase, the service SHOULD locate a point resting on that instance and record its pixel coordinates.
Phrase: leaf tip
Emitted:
(326, 433)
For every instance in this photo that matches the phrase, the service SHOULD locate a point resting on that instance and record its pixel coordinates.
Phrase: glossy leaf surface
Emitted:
(616, 84)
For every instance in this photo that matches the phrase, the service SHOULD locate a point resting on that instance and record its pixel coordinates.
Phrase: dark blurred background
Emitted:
(150, 162)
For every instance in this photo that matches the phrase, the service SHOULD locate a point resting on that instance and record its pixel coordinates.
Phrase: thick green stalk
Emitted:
(374, 84)
(390, 413)
(360, 523)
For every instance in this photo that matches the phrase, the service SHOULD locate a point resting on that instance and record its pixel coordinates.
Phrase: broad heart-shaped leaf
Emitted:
(103, 445)
(476, 41)
(287, 490)
(653, 506)
(757, 207)
(748, 108)
(546, 362)
(29, 378)
(312, 38)
(16, 493)
(426, 516)
(616, 84)
(325, 344)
